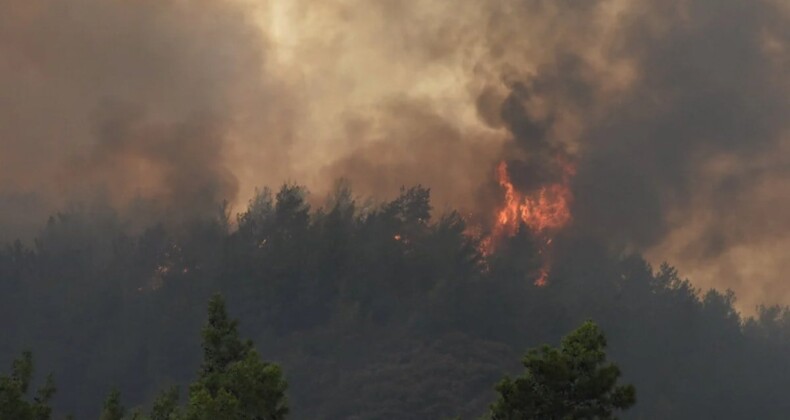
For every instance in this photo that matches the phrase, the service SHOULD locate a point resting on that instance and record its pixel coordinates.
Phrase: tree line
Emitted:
(233, 383)
(373, 310)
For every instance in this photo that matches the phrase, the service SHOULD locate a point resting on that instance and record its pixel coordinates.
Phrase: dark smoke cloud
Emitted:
(678, 161)
(537, 160)
(706, 88)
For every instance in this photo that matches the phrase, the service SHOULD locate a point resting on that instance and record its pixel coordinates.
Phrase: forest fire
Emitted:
(544, 212)
(547, 209)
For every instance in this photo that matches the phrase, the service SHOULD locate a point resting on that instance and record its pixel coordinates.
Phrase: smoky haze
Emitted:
(674, 111)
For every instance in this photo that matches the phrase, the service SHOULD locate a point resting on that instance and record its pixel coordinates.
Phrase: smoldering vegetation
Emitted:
(385, 311)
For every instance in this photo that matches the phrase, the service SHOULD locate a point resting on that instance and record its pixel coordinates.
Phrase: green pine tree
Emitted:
(573, 381)
(234, 383)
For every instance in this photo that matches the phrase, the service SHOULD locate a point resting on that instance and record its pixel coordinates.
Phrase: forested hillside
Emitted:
(373, 311)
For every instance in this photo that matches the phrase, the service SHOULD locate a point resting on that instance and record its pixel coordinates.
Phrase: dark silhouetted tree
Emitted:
(113, 410)
(166, 405)
(14, 388)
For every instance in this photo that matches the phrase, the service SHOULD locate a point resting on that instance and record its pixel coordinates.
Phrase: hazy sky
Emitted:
(677, 112)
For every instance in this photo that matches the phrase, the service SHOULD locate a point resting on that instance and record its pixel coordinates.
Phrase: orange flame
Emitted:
(547, 209)
(544, 212)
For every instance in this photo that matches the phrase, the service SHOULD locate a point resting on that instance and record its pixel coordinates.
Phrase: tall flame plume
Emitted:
(544, 211)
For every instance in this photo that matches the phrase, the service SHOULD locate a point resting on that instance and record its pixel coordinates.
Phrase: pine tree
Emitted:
(573, 381)
(234, 383)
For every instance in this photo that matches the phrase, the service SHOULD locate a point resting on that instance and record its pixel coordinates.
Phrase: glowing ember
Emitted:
(544, 212)
(486, 246)
(543, 277)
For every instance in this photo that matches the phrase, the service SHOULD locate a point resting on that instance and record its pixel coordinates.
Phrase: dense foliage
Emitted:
(573, 381)
(233, 382)
(14, 388)
(373, 311)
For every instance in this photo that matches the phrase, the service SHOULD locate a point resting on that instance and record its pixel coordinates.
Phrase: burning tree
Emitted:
(544, 211)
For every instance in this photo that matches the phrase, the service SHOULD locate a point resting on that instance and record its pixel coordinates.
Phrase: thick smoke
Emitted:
(675, 112)
(178, 163)
(138, 100)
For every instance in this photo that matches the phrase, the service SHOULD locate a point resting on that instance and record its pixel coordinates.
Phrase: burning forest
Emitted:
(397, 202)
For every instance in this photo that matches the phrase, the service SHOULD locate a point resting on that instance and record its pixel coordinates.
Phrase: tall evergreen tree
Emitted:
(573, 381)
(234, 383)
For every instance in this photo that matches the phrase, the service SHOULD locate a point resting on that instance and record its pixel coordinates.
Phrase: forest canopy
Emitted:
(385, 310)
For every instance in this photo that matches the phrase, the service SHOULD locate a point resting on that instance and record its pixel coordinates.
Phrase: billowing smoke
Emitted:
(135, 100)
(179, 163)
(675, 112)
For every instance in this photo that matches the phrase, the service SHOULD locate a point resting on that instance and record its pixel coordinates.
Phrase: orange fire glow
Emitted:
(544, 212)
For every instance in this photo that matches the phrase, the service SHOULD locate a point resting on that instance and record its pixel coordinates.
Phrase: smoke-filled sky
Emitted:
(675, 112)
